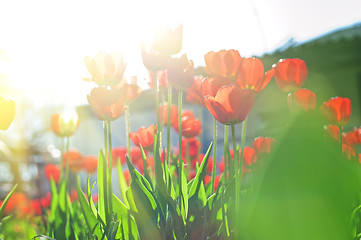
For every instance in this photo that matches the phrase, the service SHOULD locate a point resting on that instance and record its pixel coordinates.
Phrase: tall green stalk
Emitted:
(127, 131)
(243, 140)
(168, 122)
(110, 168)
(157, 101)
(214, 152)
(180, 160)
(225, 153)
(236, 167)
(105, 165)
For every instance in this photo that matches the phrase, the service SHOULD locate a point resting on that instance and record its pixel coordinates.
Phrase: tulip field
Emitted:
(302, 183)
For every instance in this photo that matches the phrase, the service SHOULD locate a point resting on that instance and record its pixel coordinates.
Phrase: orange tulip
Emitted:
(223, 63)
(231, 104)
(252, 75)
(107, 69)
(64, 126)
(107, 105)
(303, 98)
(180, 72)
(191, 126)
(144, 137)
(337, 110)
(7, 113)
(290, 74)
(52, 170)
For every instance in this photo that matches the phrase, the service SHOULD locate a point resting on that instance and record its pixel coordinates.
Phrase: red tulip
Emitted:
(263, 145)
(290, 74)
(223, 63)
(7, 113)
(252, 76)
(191, 126)
(52, 170)
(144, 137)
(352, 138)
(163, 112)
(107, 105)
(180, 72)
(90, 164)
(194, 93)
(231, 104)
(337, 110)
(107, 69)
(303, 98)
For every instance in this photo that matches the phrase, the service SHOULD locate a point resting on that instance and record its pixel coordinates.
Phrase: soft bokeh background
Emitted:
(43, 45)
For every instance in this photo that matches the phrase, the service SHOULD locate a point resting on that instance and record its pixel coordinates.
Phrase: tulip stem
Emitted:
(214, 153)
(168, 122)
(180, 160)
(105, 167)
(67, 160)
(235, 162)
(110, 168)
(157, 109)
(127, 131)
(225, 154)
(200, 135)
(243, 140)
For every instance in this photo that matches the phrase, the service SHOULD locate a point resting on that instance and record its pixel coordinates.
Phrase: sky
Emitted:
(43, 43)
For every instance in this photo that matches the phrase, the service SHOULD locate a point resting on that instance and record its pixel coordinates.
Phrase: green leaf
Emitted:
(122, 183)
(145, 167)
(3, 206)
(202, 195)
(102, 187)
(200, 174)
(184, 192)
(128, 225)
(147, 215)
(89, 216)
